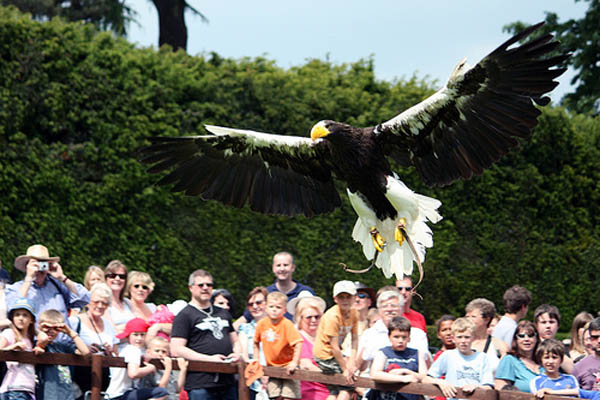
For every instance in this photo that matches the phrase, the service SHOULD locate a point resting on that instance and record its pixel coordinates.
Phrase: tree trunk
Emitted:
(171, 23)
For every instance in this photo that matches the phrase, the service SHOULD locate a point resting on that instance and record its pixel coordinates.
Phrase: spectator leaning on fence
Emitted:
(519, 366)
(124, 382)
(202, 332)
(19, 381)
(337, 322)
(398, 363)
(462, 367)
(281, 345)
(550, 355)
(46, 285)
(55, 380)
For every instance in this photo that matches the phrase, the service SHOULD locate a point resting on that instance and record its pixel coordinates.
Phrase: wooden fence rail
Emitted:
(97, 362)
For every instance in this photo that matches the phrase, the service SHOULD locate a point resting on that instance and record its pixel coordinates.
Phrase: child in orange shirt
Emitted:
(335, 324)
(282, 344)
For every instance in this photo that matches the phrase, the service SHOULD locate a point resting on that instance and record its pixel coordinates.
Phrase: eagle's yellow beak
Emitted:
(318, 131)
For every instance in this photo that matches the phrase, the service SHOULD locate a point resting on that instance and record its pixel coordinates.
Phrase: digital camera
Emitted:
(43, 265)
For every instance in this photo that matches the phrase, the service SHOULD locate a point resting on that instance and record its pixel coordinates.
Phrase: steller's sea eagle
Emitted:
(460, 130)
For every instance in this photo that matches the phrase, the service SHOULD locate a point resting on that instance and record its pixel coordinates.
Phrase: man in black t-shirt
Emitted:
(203, 333)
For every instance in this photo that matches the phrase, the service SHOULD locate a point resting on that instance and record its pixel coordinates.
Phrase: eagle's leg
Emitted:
(399, 231)
(378, 240)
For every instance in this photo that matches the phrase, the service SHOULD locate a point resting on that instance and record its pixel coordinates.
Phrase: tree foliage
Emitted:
(581, 38)
(104, 14)
(75, 105)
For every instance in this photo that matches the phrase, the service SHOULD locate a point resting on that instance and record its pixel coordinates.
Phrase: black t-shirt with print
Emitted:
(206, 335)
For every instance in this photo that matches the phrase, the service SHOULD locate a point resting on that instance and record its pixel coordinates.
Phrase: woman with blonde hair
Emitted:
(94, 275)
(139, 287)
(308, 310)
(119, 311)
(577, 349)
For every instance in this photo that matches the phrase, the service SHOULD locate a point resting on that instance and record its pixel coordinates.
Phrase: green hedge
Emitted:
(75, 105)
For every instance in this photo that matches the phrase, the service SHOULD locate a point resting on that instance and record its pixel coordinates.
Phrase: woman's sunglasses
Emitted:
(113, 276)
(138, 285)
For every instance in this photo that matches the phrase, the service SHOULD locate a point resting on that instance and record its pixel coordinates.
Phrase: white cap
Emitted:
(344, 287)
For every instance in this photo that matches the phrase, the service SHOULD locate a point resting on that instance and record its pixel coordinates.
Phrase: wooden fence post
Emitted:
(96, 376)
(243, 390)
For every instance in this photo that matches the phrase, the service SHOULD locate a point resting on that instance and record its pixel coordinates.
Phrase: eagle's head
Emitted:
(325, 128)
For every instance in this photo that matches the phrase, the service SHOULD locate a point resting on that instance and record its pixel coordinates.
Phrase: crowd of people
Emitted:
(368, 333)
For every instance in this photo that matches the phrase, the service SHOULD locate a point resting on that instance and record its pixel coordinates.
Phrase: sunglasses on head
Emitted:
(113, 276)
(139, 285)
(362, 295)
(524, 335)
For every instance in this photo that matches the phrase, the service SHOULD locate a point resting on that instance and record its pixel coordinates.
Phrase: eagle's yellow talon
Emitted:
(398, 235)
(378, 240)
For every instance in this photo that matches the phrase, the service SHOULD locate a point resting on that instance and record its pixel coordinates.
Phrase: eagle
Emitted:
(479, 115)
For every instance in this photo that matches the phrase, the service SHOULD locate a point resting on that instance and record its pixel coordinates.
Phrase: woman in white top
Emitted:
(119, 311)
(481, 312)
(96, 331)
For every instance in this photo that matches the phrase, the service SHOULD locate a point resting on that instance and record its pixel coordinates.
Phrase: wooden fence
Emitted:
(97, 362)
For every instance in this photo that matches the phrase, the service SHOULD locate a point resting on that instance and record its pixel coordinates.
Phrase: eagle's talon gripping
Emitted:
(378, 240)
(399, 231)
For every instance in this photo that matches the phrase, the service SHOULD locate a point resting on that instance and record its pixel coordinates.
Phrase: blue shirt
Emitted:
(49, 297)
(55, 380)
(407, 358)
(460, 370)
(564, 381)
(291, 294)
(513, 370)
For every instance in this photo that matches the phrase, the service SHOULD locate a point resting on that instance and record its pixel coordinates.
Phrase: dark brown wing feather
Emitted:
(479, 115)
(273, 174)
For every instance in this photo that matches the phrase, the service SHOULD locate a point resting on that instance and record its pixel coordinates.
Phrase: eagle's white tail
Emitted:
(417, 209)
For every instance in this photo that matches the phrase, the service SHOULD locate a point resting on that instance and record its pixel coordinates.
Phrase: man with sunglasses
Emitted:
(46, 285)
(587, 371)
(417, 320)
(202, 332)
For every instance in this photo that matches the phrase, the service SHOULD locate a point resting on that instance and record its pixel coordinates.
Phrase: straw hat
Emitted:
(36, 251)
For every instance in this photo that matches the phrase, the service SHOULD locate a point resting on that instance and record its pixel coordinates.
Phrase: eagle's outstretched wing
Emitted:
(475, 119)
(275, 174)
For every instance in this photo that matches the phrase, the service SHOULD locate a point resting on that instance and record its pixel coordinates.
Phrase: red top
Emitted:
(417, 320)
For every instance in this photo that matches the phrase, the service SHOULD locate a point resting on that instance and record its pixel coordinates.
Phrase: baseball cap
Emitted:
(344, 287)
(133, 325)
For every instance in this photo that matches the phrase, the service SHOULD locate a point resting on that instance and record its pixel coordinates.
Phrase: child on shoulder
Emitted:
(550, 355)
(19, 381)
(398, 363)
(463, 367)
(281, 344)
(335, 324)
(124, 382)
(55, 380)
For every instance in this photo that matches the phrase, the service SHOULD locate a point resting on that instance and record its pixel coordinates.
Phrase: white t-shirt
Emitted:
(120, 382)
(505, 330)
(376, 338)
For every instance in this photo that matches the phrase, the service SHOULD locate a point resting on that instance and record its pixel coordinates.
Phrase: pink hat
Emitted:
(133, 325)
